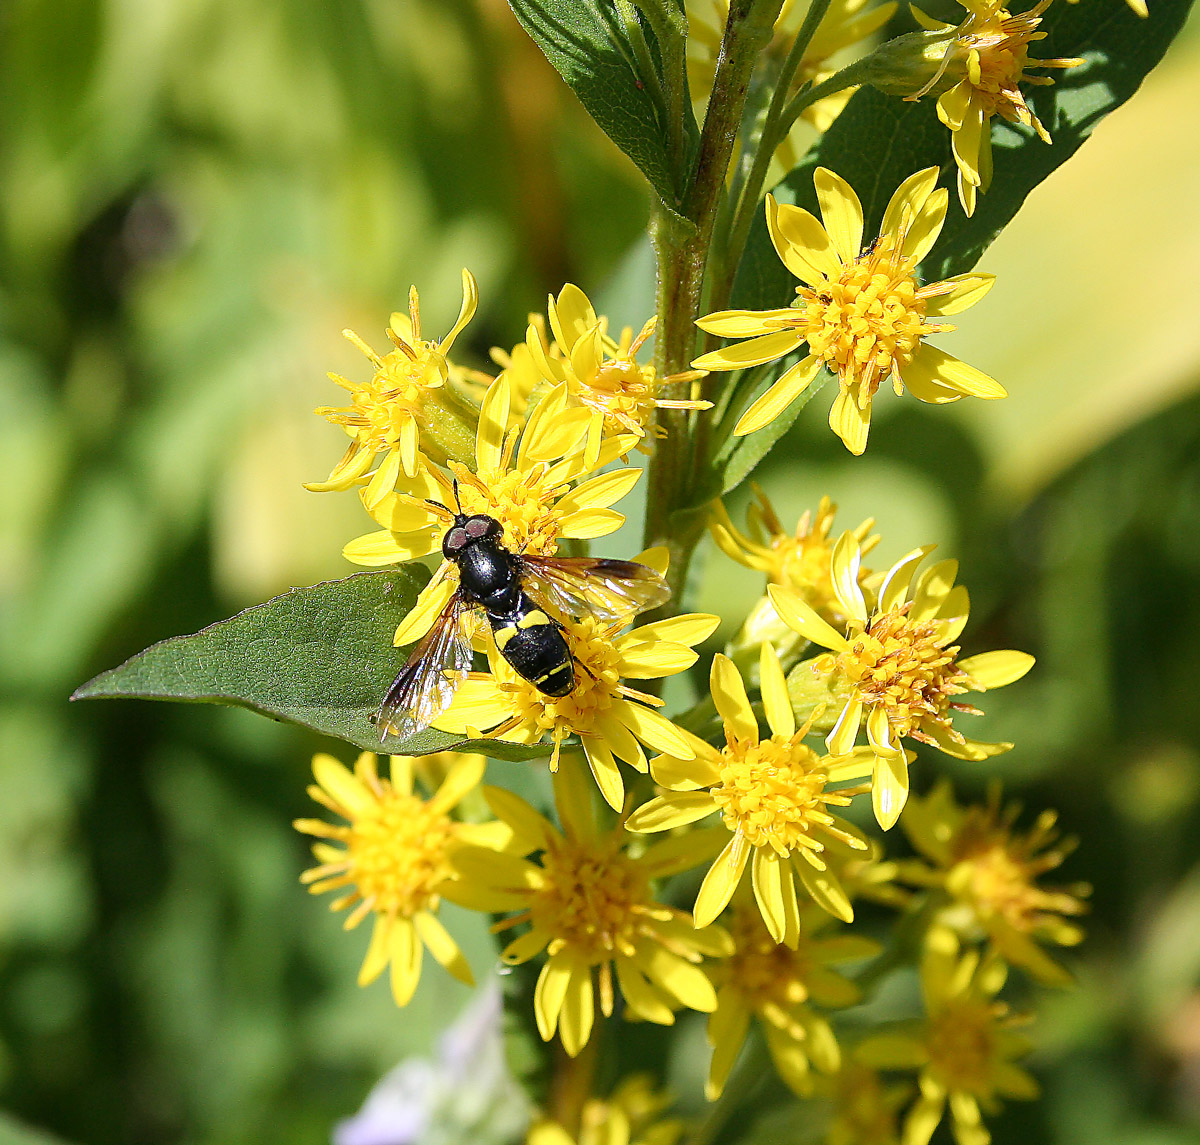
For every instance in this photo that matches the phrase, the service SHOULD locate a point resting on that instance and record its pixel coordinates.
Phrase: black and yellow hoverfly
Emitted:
(494, 578)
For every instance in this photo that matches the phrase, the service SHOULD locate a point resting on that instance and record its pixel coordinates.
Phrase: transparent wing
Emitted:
(594, 586)
(426, 683)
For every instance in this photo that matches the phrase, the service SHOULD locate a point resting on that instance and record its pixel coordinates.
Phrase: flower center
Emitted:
(763, 971)
(591, 900)
(870, 321)
(597, 683)
(962, 1044)
(622, 390)
(397, 390)
(998, 51)
(899, 664)
(773, 793)
(397, 854)
(523, 502)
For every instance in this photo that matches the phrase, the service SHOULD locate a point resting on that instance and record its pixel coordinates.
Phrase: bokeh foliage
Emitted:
(194, 200)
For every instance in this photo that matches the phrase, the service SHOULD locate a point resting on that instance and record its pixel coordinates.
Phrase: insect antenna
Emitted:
(440, 511)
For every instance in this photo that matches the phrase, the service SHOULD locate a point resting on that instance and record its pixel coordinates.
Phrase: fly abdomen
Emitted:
(534, 646)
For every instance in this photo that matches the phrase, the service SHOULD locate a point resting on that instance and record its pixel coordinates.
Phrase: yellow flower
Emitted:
(990, 873)
(590, 906)
(798, 561)
(394, 859)
(865, 1111)
(965, 1050)
(632, 1115)
(611, 719)
(387, 413)
(992, 48)
(774, 796)
(603, 376)
(776, 984)
(522, 478)
(897, 665)
(861, 311)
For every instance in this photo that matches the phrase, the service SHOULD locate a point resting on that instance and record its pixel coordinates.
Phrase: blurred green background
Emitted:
(195, 198)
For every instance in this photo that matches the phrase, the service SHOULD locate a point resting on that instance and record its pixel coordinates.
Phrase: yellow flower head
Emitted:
(898, 666)
(774, 796)
(798, 561)
(589, 904)
(612, 720)
(394, 859)
(991, 48)
(778, 985)
(524, 479)
(860, 310)
(990, 873)
(386, 414)
(632, 1115)
(602, 375)
(965, 1049)
(865, 1110)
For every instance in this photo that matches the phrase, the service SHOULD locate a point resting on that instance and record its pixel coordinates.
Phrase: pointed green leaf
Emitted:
(321, 657)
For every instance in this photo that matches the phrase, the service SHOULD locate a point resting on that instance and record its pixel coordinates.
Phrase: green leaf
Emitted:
(878, 140)
(321, 657)
(621, 87)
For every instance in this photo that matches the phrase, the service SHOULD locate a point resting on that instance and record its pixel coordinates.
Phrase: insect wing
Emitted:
(605, 588)
(427, 682)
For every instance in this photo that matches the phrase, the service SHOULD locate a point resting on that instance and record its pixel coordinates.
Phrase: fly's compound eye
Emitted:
(455, 540)
(478, 527)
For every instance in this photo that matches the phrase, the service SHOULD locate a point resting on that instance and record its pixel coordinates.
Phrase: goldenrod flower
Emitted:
(861, 311)
(990, 873)
(778, 984)
(774, 796)
(589, 905)
(611, 719)
(897, 665)
(386, 414)
(603, 375)
(632, 1115)
(798, 561)
(864, 1111)
(965, 1049)
(991, 47)
(523, 479)
(394, 859)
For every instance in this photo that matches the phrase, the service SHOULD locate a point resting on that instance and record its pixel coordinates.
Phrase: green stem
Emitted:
(681, 239)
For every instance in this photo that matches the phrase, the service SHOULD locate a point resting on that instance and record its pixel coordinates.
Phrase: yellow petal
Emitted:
(682, 980)
(345, 789)
(966, 290)
(844, 565)
(605, 771)
(643, 999)
(405, 961)
(378, 952)
(689, 628)
(721, 881)
(842, 735)
(894, 589)
(849, 422)
(765, 871)
(801, 243)
(949, 371)
(778, 704)
(674, 810)
(841, 212)
(578, 1010)
(826, 891)
(925, 228)
(429, 604)
(375, 549)
(571, 316)
(384, 480)
(549, 993)
(727, 1029)
(353, 464)
(800, 616)
(573, 798)
(599, 492)
(752, 352)
(889, 788)
(585, 524)
(786, 389)
(464, 776)
(470, 301)
(443, 948)
(729, 695)
(908, 199)
(996, 669)
(531, 831)
(652, 729)
(493, 424)
(745, 323)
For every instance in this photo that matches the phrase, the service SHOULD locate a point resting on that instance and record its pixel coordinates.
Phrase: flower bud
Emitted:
(915, 64)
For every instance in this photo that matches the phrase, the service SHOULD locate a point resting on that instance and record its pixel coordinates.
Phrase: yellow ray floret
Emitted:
(588, 903)
(386, 414)
(860, 311)
(775, 796)
(898, 664)
(392, 858)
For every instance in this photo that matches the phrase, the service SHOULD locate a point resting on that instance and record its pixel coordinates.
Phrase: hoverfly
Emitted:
(494, 578)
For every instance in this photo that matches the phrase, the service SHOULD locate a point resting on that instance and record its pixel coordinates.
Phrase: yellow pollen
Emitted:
(773, 792)
(523, 502)
(870, 321)
(622, 390)
(591, 899)
(397, 854)
(900, 665)
(597, 683)
(962, 1044)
